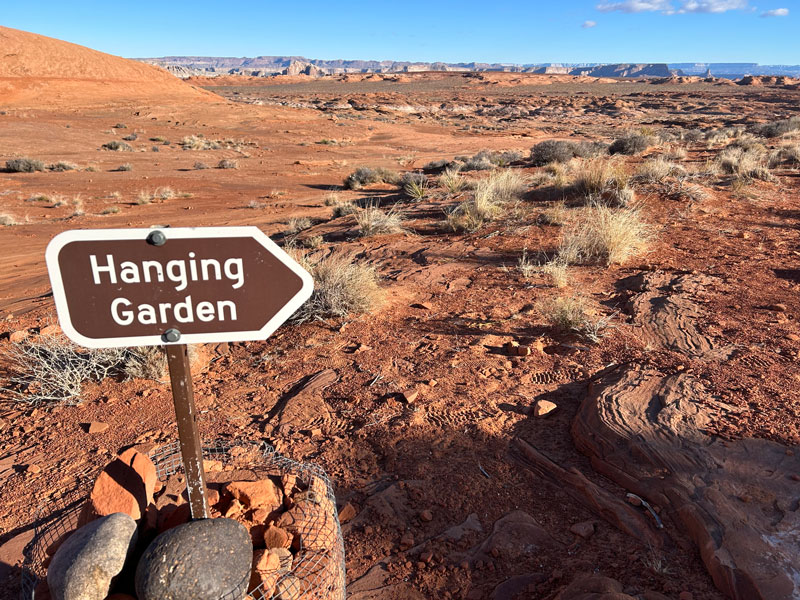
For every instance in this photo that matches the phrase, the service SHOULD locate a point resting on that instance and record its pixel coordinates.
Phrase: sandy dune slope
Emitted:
(41, 72)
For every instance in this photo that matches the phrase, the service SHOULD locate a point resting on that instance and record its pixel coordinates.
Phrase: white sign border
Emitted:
(247, 231)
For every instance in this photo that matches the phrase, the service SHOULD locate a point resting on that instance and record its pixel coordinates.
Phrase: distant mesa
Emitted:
(270, 66)
(42, 72)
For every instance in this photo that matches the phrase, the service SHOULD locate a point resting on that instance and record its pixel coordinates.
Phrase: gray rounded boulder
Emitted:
(84, 566)
(208, 559)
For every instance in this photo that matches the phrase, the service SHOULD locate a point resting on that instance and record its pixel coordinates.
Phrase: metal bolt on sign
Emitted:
(130, 287)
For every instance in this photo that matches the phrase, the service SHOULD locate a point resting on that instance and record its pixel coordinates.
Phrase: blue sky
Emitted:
(486, 31)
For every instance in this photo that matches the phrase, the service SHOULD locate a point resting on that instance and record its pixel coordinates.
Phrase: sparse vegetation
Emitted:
(131, 137)
(367, 176)
(228, 163)
(777, 128)
(341, 288)
(7, 220)
(117, 146)
(120, 126)
(110, 210)
(24, 165)
(344, 208)
(373, 220)
(744, 165)
(572, 314)
(552, 151)
(605, 179)
(197, 142)
(61, 166)
(605, 234)
(631, 144)
(558, 271)
(298, 224)
(453, 181)
(487, 159)
(656, 170)
(488, 200)
(53, 369)
(125, 167)
(415, 185)
(199, 166)
(314, 241)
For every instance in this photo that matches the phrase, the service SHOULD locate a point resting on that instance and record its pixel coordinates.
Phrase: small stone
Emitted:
(523, 351)
(543, 407)
(256, 494)
(432, 383)
(33, 469)
(584, 529)
(84, 565)
(347, 512)
(212, 466)
(50, 330)
(96, 427)
(410, 395)
(421, 306)
(777, 307)
(686, 596)
(276, 537)
(426, 556)
(406, 541)
(18, 336)
(511, 348)
(426, 516)
(207, 559)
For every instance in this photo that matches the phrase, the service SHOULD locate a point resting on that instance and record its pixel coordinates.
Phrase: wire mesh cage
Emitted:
(314, 569)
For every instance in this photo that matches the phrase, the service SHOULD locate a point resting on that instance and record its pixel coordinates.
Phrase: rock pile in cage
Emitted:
(287, 508)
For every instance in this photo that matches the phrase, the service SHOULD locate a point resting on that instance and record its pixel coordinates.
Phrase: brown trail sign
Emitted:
(172, 287)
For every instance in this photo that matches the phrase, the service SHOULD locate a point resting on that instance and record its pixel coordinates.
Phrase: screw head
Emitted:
(171, 335)
(157, 238)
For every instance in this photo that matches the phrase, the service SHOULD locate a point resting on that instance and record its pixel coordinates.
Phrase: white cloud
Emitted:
(712, 6)
(635, 6)
(589, 24)
(776, 12)
(668, 7)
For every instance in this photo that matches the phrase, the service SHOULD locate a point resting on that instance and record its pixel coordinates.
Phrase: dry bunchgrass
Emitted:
(452, 181)
(558, 271)
(656, 170)
(196, 142)
(7, 220)
(744, 165)
(573, 314)
(343, 209)
(600, 175)
(341, 287)
(298, 224)
(489, 200)
(373, 220)
(785, 155)
(605, 234)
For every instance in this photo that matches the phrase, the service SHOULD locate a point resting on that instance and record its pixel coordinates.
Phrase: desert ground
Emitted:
(578, 372)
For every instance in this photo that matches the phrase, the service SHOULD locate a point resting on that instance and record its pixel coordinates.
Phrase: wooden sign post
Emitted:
(172, 287)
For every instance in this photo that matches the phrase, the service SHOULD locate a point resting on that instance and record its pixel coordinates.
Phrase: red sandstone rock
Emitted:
(256, 494)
